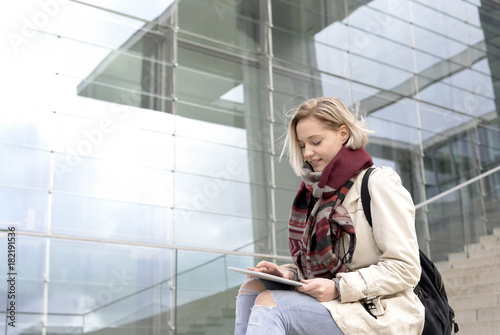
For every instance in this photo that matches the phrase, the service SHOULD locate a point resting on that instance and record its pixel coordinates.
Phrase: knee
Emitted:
(252, 286)
(265, 299)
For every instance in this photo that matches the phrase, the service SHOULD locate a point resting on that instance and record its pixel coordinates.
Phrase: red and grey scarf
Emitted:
(318, 221)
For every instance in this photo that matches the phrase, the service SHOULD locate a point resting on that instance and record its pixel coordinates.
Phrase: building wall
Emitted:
(140, 143)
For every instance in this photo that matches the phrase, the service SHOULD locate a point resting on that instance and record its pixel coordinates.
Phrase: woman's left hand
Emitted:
(320, 288)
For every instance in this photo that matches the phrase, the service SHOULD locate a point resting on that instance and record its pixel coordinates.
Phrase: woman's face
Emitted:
(319, 144)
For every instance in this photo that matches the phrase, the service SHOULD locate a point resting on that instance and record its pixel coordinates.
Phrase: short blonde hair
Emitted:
(333, 113)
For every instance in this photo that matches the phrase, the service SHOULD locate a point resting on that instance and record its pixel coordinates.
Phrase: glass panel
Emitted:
(461, 79)
(453, 8)
(206, 291)
(113, 180)
(379, 75)
(109, 285)
(300, 18)
(440, 121)
(211, 132)
(330, 60)
(17, 167)
(231, 23)
(110, 138)
(394, 132)
(457, 219)
(284, 199)
(382, 19)
(199, 275)
(138, 74)
(472, 13)
(110, 219)
(439, 46)
(117, 113)
(217, 88)
(84, 23)
(333, 36)
(446, 96)
(24, 209)
(209, 159)
(402, 112)
(284, 175)
(217, 195)
(292, 87)
(489, 139)
(29, 269)
(147, 10)
(400, 9)
(441, 21)
(206, 230)
(25, 126)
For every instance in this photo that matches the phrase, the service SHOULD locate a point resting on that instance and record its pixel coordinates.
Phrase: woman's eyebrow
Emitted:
(311, 136)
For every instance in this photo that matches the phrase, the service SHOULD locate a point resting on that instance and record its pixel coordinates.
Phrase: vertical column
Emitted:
(174, 24)
(422, 220)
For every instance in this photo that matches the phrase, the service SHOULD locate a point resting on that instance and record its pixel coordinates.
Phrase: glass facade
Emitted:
(140, 144)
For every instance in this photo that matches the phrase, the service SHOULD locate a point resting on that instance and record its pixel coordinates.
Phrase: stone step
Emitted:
(489, 314)
(479, 328)
(496, 231)
(490, 241)
(472, 281)
(475, 278)
(475, 262)
(474, 301)
(478, 314)
(472, 270)
(466, 315)
(473, 289)
(473, 254)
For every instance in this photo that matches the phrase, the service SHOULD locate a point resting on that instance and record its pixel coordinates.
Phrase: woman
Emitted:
(357, 280)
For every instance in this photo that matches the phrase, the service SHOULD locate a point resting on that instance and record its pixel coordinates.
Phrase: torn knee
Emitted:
(265, 299)
(252, 286)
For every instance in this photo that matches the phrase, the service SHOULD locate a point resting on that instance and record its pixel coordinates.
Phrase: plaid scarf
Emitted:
(318, 221)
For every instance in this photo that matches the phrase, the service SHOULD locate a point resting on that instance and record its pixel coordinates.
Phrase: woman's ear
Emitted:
(344, 133)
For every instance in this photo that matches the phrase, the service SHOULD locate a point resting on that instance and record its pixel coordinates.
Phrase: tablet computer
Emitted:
(266, 276)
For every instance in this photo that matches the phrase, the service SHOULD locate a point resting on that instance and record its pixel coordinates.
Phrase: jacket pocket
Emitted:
(374, 307)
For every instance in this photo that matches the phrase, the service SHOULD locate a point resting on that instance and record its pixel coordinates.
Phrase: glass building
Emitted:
(140, 144)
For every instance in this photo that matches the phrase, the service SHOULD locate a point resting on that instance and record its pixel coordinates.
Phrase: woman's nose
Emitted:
(308, 152)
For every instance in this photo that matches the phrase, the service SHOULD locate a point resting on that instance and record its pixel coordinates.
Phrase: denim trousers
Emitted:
(296, 314)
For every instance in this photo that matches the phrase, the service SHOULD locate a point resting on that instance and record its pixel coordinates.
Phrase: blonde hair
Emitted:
(333, 113)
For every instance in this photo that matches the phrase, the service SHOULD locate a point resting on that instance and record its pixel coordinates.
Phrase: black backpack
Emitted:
(439, 316)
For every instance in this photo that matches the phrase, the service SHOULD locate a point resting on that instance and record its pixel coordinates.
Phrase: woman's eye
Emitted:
(317, 143)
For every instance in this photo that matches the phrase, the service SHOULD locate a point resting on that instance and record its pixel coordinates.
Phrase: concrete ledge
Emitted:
(472, 270)
(465, 315)
(474, 289)
(473, 301)
(489, 314)
(474, 278)
(469, 262)
(479, 328)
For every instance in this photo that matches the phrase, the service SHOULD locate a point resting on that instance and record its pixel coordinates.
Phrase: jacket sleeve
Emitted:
(393, 218)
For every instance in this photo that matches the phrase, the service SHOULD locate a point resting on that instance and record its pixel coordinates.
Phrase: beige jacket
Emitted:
(385, 265)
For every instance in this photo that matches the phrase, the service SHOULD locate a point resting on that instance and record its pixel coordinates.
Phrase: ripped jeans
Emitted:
(296, 314)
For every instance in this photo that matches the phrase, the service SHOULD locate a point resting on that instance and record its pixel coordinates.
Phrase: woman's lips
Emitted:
(314, 162)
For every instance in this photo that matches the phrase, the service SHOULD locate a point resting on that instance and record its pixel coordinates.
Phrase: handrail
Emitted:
(458, 187)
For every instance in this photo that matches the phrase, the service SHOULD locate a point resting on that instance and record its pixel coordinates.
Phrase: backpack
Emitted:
(439, 316)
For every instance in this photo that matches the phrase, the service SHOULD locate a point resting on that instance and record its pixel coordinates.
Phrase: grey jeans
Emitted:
(296, 314)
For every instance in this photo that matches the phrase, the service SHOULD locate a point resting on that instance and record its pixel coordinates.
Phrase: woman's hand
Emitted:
(320, 288)
(273, 269)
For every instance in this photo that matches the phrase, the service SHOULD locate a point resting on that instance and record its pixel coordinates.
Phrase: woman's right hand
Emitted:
(273, 269)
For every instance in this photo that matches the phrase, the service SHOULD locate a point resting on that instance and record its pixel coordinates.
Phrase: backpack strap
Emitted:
(365, 196)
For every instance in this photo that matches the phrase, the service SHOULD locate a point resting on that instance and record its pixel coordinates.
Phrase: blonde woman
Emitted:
(357, 280)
